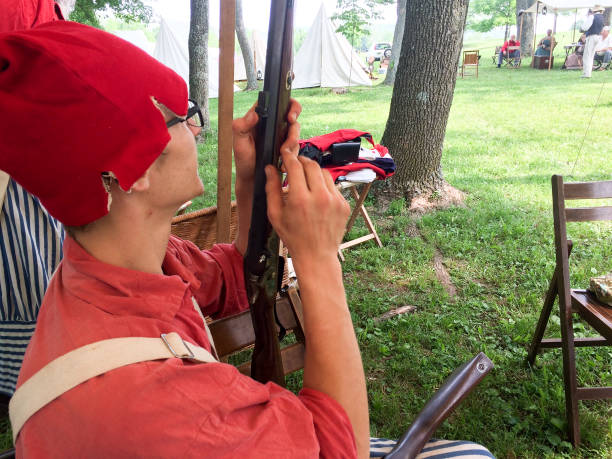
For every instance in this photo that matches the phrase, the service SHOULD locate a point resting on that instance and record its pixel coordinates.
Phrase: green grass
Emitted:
(508, 132)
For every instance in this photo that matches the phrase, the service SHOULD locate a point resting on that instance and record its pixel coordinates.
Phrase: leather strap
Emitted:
(84, 363)
(4, 180)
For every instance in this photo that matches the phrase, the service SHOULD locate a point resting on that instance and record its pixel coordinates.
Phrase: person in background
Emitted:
(593, 26)
(514, 54)
(604, 48)
(30, 238)
(581, 43)
(574, 60)
(546, 44)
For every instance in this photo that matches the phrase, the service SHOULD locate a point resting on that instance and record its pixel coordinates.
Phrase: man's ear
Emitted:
(143, 183)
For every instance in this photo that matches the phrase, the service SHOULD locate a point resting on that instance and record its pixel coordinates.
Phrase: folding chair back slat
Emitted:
(588, 190)
(588, 214)
(293, 360)
(233, 334)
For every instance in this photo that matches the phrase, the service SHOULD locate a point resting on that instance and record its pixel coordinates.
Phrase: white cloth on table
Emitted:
(364, 175)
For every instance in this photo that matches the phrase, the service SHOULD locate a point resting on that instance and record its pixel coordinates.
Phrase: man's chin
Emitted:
(197, 191)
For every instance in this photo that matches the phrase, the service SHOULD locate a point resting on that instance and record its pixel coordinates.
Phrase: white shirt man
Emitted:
(604, 47)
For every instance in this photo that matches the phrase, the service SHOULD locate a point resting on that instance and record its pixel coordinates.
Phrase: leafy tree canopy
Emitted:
(126, 10)
(484, 15)
(354, 17)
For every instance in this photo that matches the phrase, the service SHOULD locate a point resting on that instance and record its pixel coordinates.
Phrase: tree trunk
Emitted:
(423, 94)
(526, 37)
(397, 43)
(606, 15)
(247, 54)
(198, 58)
(506, 32)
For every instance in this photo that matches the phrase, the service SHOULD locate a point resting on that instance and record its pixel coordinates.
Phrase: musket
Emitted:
(262, 261)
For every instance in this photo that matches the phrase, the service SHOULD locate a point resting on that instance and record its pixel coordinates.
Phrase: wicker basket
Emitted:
(200, 227)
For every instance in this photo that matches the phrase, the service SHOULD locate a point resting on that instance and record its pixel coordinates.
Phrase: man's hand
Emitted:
(244, 158)
(244, 139)
(311, 221)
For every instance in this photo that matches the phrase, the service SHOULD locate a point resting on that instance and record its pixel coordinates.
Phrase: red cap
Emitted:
(75, 102)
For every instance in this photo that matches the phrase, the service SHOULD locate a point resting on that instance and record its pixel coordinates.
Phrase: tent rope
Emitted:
(586, 132)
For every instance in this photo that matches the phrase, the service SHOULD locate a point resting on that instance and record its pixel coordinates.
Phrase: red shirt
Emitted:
(169, 408)
(25, 14)
(510, 43)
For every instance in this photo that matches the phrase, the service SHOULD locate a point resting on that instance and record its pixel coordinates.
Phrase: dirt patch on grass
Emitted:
(396, 312)
(440, 199)
(412, 230)
(442, 274)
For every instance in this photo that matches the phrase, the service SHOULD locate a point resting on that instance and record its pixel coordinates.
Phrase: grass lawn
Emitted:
(508, 132)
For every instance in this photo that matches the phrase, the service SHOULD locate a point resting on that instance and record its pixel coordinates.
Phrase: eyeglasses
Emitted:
(194, 116)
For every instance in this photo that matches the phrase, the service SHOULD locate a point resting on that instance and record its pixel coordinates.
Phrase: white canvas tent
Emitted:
(258, 48)
(137, 38)
(327, 59)
(554, 6)
(171, 50)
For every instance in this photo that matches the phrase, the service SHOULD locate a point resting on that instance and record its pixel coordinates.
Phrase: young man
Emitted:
(97, 129)
(513, 52)
(104, 135)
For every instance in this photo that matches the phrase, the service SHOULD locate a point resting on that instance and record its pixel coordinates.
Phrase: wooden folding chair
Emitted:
(512, 62)
(359, 191)
(495, 56)
(573, 301)
(470, 60)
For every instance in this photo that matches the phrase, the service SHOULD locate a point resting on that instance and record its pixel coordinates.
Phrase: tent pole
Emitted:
(520, 34)
(535, 33)
(574, 32)
(227, 26)
(550, 54)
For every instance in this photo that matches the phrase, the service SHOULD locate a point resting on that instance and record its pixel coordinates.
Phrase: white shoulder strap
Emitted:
(79, 365)
(4, 180)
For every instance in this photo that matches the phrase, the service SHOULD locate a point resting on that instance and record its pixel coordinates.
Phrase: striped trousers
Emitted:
(31, 248)
(435, 449)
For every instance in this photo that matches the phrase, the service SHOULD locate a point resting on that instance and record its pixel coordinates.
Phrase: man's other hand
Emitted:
(244, 140)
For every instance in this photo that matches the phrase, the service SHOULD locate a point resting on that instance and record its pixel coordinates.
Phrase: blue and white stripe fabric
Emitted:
(434, 449)
(31, 248)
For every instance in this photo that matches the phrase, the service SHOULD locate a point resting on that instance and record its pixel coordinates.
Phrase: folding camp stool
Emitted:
(359, 191)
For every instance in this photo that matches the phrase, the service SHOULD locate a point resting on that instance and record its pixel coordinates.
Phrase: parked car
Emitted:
(379, 50)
